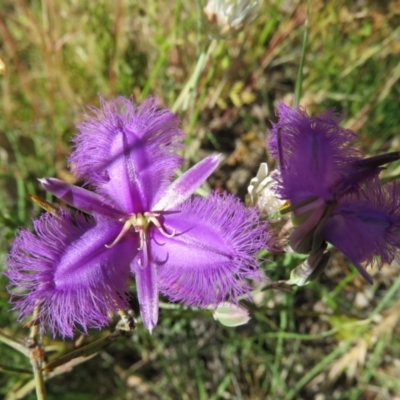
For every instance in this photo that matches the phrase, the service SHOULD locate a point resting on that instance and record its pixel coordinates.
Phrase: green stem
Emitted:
(13, 343)
(299, 80)
(189, 90)
(14, 370)
(386, 298)
(314, 371)
(36, 357)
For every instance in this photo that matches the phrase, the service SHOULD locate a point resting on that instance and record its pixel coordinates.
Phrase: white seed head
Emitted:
(230, 16)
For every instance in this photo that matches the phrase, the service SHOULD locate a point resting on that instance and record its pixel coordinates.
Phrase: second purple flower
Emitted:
(334, 192)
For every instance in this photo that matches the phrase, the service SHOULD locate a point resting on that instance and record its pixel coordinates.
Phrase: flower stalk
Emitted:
(37, 355)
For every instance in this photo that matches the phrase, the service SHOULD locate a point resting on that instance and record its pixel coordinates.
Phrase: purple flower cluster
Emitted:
(334, 192)
(142, 223)
(136, 220)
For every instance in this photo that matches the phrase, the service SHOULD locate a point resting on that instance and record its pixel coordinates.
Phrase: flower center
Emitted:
(140, 222)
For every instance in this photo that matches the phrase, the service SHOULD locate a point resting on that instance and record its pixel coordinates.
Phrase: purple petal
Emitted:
(366, 226)
(361, 270)
(66, 270)
(314, 152)
(213, 252)
(147, 291)
(303, 238)
(379, 160)
(363, 170)
(181, 189)
(82, 199)
(128, 153)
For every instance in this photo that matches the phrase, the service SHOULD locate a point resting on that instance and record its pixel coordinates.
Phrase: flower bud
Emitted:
(311, 268)
(261, 194)
(229, 314)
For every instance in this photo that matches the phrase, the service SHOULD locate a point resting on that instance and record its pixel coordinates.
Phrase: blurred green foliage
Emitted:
(56, 57)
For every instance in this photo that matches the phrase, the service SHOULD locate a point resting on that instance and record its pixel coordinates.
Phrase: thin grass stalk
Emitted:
(112, 75)
(299, 80)
(22, 72)
(190, 88)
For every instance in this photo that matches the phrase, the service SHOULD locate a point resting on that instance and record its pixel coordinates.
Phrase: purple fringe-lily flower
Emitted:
(199, 251)
(334, 192)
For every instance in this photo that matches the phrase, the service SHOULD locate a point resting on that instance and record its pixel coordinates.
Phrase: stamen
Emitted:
(306, 202)
(153, 218)
(124, 229)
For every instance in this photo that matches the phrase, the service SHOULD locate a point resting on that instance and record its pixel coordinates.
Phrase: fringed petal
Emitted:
(147, 291)
(366, 169)
(66, 270)
(366, 226)
(127, 153)
(314, 153)
(213, 252)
